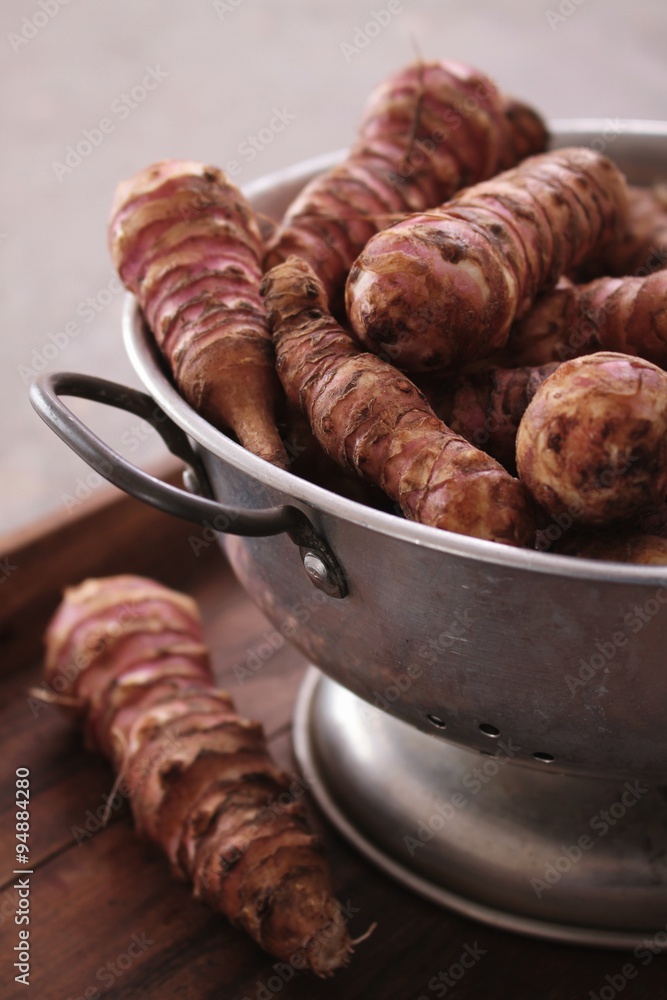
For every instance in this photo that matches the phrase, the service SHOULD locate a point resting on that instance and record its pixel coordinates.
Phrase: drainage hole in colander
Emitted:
(489, 730)
(546, 758)
(436, 721)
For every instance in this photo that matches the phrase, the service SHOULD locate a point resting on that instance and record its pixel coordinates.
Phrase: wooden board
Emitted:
(108, 921)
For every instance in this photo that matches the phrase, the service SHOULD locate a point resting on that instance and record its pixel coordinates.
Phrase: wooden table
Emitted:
(96, 903)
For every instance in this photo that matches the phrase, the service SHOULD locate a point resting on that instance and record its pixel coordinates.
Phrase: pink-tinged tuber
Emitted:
(127, 654)
(427, 131)
(594, 439)
(442, 289)
(185, 241)
(370, 418)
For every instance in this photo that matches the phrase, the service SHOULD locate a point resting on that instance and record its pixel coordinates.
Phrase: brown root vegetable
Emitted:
(526, 134)
(593, 441)
(627, 315)
(311, 462)
(486, 407)
(653, 523)
(442, 289)
(185, 241)
(128, 654)
(370, 418)
(642, 247)
(548, 332)
(426, 131)
(622, 546)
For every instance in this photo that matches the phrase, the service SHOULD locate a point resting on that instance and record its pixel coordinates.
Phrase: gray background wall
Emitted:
(220, 69)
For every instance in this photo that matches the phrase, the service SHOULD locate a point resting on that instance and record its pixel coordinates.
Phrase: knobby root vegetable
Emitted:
(370, 418)
(642, 248)
(311, 462)
(185, 241)
(627, 315)
(653, 523)
(442, 289)
(128, 653)
(426, 131)
(622, 546)
(547, 333)
(594, 439)
(486, 407)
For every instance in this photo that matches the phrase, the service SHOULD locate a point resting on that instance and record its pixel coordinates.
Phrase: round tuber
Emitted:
(593, 441)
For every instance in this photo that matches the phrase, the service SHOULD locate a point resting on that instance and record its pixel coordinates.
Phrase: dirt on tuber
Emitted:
(126, 654)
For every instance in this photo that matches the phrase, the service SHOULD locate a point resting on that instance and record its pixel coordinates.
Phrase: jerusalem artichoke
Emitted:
(622, 546)
(443, 288)
(129, 653)
(642, 247)
(627, 315)
(185, 242)
(486, 407)
(426, 131)
(369, 417)
(594, 439)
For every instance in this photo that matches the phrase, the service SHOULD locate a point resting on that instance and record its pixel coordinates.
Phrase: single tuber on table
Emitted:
(127, 656)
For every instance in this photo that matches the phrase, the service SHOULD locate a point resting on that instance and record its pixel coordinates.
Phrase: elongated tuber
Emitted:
(128, 653)
(627, 315)
(486, 407)
(185, 242)
(426, 131)
(442, 289)
(593, 441)
(642, 247)
(369, 417)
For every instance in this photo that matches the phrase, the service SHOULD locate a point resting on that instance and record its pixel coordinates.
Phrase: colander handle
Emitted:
(45, 392)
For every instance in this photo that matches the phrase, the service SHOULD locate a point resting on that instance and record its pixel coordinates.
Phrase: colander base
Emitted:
(572, 859)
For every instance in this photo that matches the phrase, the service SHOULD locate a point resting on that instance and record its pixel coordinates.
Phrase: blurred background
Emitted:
(257, 83)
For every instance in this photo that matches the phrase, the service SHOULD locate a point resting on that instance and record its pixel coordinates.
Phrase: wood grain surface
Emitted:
(107, 920)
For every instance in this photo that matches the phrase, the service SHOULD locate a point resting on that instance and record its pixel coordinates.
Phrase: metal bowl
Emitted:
(552, 662)
(479, 640)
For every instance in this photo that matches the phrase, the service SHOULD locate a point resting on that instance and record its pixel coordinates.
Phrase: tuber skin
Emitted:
(653, 523)
(311, 462)
(594, 439)
(370, 418)
(185, 242)
(622, 546)
(486, 407)
(627, 315)
(442, 289)
(127, 654)
(426, 131)
(642, 247)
